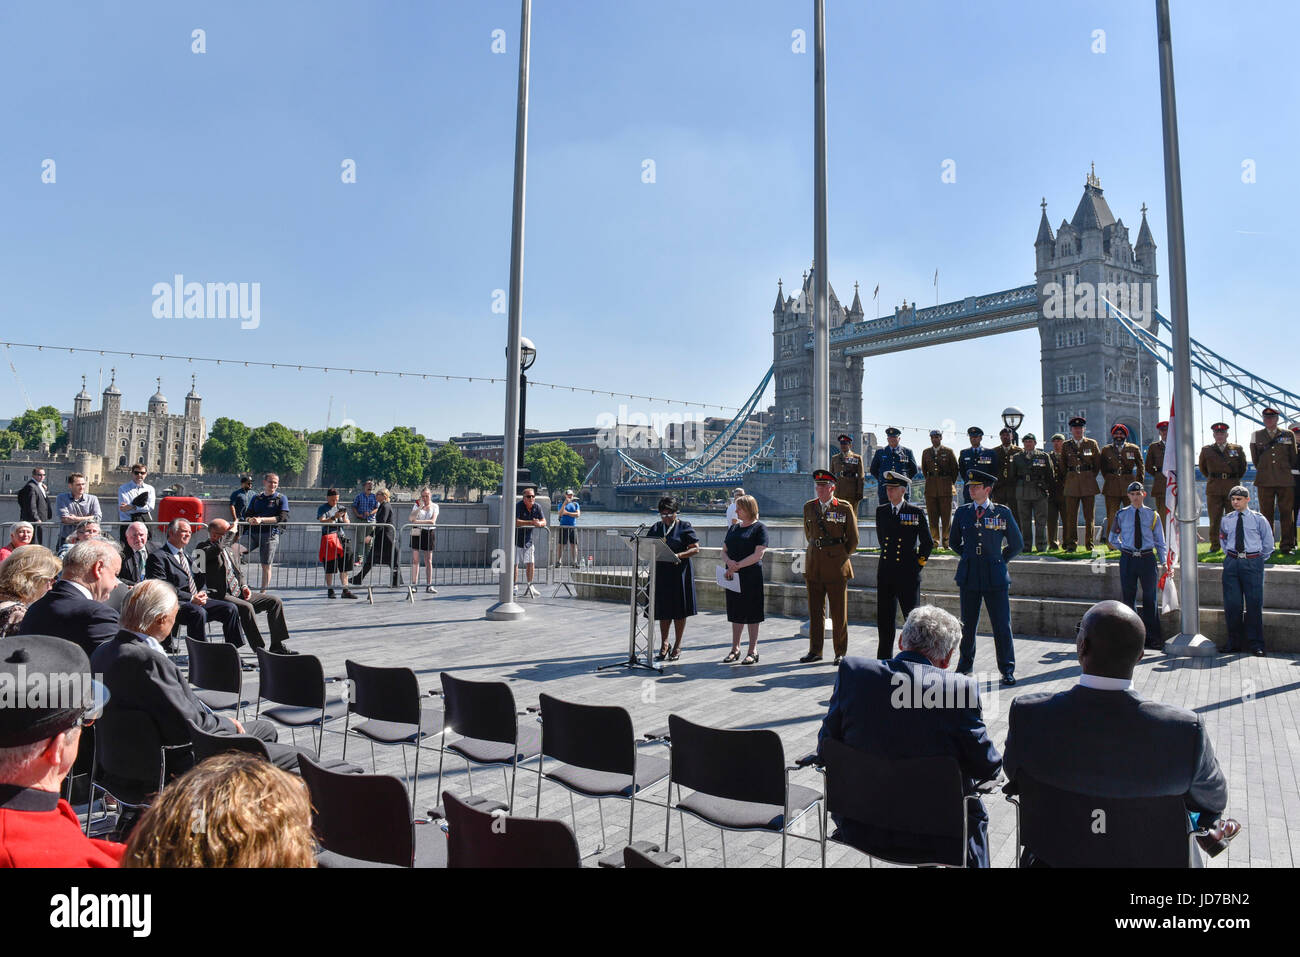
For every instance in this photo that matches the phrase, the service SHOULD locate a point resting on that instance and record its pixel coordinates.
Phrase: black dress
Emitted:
(746, 606)
(675, 584)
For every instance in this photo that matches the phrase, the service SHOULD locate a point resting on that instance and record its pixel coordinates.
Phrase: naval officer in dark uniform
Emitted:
(975, 457)
(905, 546)
(986, 536)
(892, 457)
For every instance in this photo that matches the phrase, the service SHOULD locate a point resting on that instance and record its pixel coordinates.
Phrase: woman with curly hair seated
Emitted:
(233, 810)
(25, 576)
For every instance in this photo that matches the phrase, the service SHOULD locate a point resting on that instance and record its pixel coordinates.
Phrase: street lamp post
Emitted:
(527, 356)
(1011, 418)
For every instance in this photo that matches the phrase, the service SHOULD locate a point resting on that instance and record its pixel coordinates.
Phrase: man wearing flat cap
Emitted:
(905, 546)
(849, 472)
(1004, 489)
(986, 537)
(1273, 450)
(1247, 541)
(1035, 479)
(939, 466)
(975, 457)
(48, 696)
(1081, 457)
(1223, 464)
(831, 527)
(1121, 465)
(1154, 464)
(892, 457)
(1138, 535)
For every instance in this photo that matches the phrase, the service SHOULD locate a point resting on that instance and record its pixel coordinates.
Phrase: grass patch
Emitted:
(1277, 558)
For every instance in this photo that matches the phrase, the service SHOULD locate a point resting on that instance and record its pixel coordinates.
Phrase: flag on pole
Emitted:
(936, 279)
(876, 294)
(1168, 590)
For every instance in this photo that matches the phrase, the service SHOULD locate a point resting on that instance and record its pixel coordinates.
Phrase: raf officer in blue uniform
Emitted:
(892, 458)
(1141, 543)
(975, 457)
(905, 546)
(986, 536)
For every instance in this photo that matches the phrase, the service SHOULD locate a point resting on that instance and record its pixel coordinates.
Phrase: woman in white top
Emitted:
(423, 512)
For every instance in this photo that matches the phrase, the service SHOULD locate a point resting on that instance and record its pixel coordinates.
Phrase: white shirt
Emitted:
(81, 588)
(151, 642)
(424, 513)
(731, 513)
(1099, 683)
(128, 491)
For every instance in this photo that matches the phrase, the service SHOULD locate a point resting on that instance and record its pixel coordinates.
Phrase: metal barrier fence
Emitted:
(294, 558)
(108, 530)
(599, 556)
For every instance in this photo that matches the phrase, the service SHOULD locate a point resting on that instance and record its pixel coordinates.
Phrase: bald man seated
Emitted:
(225, 581)
(1102, 738)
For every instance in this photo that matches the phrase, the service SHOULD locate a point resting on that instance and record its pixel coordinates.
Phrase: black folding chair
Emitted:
(483, 713)
(478, 839)
(210, 745)
(389, 700)
(597, 748)
(216, 675)
(921, 796)
(295, 684)
(130, 760)
(740, 782)
(367, 817)
(1068, 829)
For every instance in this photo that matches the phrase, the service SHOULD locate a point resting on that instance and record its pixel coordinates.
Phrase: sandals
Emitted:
(662, 653)
(732, 658)
(675, 653)
(751, 659)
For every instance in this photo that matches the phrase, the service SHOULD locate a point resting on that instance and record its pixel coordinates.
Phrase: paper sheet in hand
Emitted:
(733, 585)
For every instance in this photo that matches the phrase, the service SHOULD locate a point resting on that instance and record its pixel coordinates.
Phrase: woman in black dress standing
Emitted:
(674, 584)
(743, 550)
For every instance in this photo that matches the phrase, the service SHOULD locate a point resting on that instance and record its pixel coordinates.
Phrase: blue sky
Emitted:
(225, 167)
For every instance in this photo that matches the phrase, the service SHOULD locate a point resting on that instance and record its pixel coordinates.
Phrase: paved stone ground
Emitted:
(1249, 705)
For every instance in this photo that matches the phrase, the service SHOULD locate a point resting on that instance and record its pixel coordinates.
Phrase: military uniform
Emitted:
(849, 478)
(890, 459)
(1222, 468)
(905, 544)
(975, 457)
(1155, 467)
(1004, 489)
(1274, 457)
(939, 466)
(1119, 467)
(986, 538)
(832, 535)
(1056, 501)
(1082, 461)
(1035, 478)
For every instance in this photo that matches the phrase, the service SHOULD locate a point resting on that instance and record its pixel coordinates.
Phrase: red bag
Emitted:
(330, 547)
(180, 506)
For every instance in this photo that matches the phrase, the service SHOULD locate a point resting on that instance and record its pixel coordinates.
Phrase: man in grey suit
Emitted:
(34, 504)
(1102, 738)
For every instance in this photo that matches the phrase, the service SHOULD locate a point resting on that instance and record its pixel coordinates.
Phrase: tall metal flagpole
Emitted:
(821, 410)
(1189, 639)
(506, 609)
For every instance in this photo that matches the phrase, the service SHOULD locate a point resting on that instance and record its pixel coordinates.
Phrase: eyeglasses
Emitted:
(84, 722)
(530, 496)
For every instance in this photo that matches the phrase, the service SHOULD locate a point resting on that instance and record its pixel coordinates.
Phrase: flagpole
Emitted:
(821, 410)
(1189, 640)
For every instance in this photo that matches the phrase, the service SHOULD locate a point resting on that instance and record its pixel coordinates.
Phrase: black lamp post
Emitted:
(1011, 418)
(527, 356)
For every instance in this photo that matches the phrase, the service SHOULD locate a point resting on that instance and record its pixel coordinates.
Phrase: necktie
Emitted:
(1241, 533)
(979, 514)
(1137, 530)
(186, 565)
(139, 567)
(232, 583)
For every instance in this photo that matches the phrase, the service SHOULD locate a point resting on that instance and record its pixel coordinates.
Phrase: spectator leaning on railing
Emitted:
(76, 506)
(269, 507)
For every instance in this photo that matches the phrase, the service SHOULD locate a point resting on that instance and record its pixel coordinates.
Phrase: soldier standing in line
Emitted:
(1082, 460)
(1035, 477)
(892, 458)
(846, 465)
(939, 466)
(1273, 451)
(1222, 463)
(975, 457)
(1155, 467)
(1056, 501)
(905, 545)
(1004, 489)
(1121, 465)
(831, 527)
(1295, 474)
(986, 536)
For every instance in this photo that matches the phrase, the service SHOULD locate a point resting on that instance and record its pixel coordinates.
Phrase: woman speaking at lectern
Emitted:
(674, 583)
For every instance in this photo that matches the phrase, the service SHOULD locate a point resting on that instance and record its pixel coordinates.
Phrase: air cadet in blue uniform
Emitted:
(1136, 532)
(892, 458)
(975, 457)
(986, 536)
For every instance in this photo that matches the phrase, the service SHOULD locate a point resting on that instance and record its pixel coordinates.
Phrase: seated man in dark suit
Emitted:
(225, 582)
(74, 608)
(171, 564)
(140, 677)
(135, 554)
(865, 715)
(1102, 738)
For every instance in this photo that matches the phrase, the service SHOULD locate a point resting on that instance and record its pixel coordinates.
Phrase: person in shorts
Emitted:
(269, 507)
(424, 513)
(333, 552)
(569, 512)
(528, 516)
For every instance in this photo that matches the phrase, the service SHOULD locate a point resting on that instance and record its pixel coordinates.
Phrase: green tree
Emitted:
(400, 457)
(348, 454)
(553, 465)
(484, 475)
(274, 448)
(40, 427)
(226, 449)
(8, 442)
(448, 467)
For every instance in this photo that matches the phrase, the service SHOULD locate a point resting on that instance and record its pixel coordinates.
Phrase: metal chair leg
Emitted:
(537, 811)
(415, 778)
(723, 834)
(601, 810)
(373, 766)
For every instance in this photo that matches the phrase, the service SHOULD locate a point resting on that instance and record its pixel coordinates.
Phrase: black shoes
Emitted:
(282, 650)
(809, 659)
(346, 594)
(1258, 653)
(1221, 832)
(331, 594)
(838, 659)
(1009, 679)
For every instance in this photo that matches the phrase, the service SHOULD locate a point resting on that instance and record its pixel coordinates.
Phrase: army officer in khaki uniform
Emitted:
(849, 472)
(831, 527)
(939, 466)
(1223, 463)
(1121, 466)
(1082, 460)
(1155, 467)
(1273, 451)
